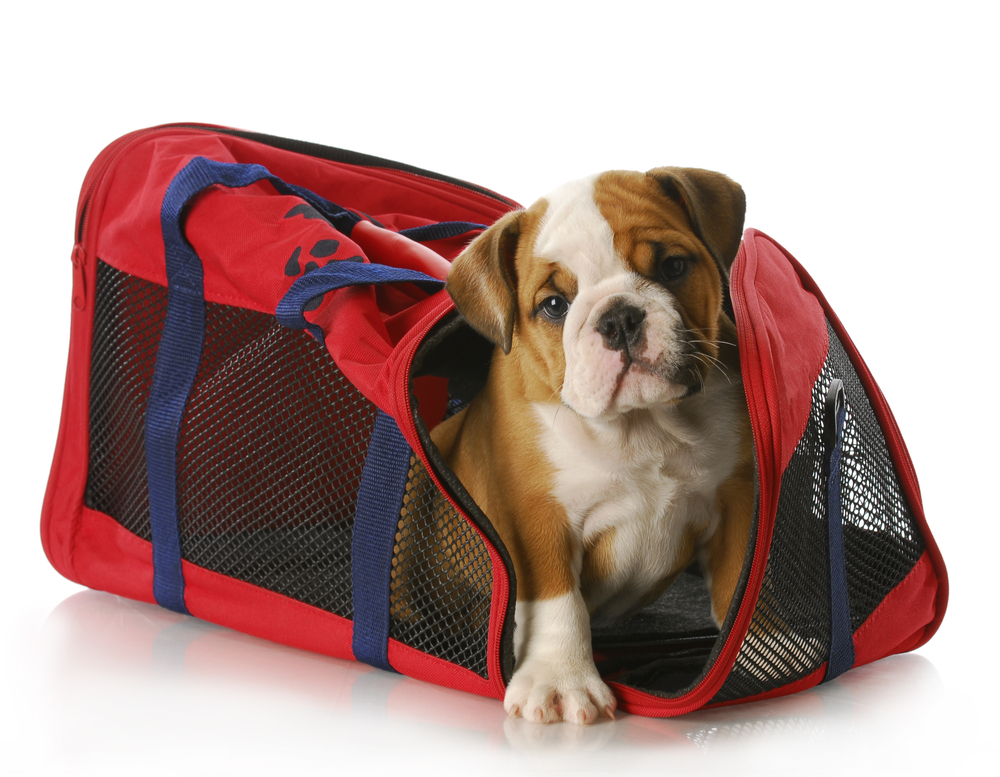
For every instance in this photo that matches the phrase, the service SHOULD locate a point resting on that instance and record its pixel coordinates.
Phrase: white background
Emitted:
(865, 136)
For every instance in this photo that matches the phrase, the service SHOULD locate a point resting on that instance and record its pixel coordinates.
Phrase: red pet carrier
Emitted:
(260, 345)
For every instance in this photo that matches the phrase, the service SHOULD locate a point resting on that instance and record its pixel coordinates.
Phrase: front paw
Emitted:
(543, 693)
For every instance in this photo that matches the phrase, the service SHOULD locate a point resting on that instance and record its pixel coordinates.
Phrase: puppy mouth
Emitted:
(631, 366)
(686, 377)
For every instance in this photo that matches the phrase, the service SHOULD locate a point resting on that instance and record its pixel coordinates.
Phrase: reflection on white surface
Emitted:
(129, 679)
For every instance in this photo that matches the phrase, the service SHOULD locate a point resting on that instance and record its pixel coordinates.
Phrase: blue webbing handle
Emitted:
(181, 340)
(386, 469)
(841, 637)
(177, 359)
(302, 295)
(376, 519)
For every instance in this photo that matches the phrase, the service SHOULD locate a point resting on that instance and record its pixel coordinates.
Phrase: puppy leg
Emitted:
(725, 552)
(555, 676)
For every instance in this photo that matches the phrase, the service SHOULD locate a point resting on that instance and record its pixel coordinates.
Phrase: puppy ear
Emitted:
(483, 283)
(715, 203)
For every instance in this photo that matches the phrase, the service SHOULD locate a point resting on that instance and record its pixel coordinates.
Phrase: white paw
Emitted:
(542, 693)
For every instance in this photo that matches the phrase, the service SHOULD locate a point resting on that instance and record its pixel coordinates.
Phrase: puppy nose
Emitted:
(621, 326)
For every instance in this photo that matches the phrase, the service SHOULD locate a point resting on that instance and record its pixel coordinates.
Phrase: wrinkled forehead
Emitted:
(574, 233)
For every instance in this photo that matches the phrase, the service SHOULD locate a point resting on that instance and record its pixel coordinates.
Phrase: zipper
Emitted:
(495, 645)
(357, 159)
(478, 189)
(79, 277)
(746, 333)
(699, 696)
(730, 652)
(115, 149)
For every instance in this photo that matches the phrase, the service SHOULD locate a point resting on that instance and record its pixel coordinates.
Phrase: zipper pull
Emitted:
(79, 277)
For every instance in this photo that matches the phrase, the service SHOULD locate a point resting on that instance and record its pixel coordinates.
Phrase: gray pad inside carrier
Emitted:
(684, 610)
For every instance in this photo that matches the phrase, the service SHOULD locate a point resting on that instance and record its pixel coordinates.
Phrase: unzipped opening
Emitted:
(665, 648)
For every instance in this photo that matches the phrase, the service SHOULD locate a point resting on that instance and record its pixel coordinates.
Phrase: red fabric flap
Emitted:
(789, 329)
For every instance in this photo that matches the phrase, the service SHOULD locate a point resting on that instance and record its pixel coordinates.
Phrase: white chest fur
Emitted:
(651, 475)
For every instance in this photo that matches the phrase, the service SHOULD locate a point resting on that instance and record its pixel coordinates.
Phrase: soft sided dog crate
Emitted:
(260, 345)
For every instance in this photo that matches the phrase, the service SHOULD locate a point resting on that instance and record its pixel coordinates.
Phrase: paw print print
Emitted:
(321, 250)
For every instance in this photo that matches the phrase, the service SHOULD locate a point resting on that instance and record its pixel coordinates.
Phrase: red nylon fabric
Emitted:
(790, 335)
(902, 621)
(245, 243)
(247, 246)
(115, 560)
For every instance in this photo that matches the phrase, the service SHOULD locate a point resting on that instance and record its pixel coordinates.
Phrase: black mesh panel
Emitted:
(270, 454)
(442, 578)
(128, 320)
(882, 541)
(789, 635)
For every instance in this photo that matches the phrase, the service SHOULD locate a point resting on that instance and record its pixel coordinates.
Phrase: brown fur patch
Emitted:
(647, 224)
(726, 549)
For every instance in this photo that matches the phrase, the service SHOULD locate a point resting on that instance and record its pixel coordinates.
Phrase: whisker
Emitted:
(713, 363)
(705, 342)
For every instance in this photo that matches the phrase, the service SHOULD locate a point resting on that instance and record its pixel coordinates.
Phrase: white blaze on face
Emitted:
(574, 234)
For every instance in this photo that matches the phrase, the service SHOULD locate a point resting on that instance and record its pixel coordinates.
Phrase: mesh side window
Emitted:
(882, 541)
(442, 578)
(271, 445)
(270, 455)
(789, 635)
(128, 320)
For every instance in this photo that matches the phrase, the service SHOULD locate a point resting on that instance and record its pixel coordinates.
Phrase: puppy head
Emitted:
(608, 290)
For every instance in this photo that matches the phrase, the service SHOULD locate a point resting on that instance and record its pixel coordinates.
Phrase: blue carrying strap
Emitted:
(303, 294)
(841, 637)
(376, 520)
(181, 342)
(387, 463)
(177, 360)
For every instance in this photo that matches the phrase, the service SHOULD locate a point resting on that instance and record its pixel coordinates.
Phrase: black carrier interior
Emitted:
(665, 648)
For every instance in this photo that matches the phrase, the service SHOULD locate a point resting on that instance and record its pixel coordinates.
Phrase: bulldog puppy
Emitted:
(611, 445)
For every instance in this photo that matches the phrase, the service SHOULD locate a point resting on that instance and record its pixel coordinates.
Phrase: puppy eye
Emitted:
(554, 308)
(672, 268)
